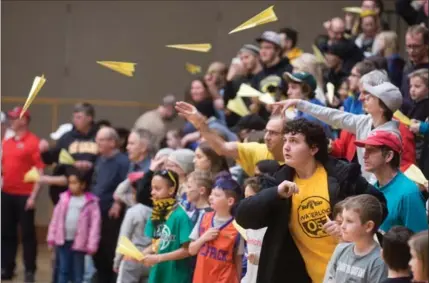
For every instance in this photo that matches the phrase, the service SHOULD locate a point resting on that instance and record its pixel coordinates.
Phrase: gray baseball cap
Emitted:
(250, 48)
(386, 92)
(271, 36)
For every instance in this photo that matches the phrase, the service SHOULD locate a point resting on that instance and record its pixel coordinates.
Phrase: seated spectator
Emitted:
(370, 28)
(206, 159)
(396, 254)
(419, 256)
(405, 203)
(289, 42)
(160, 120)
(358, 260)
(386, 45)
(302, 86)
(215, 79)
(335, 55)
(308, 63)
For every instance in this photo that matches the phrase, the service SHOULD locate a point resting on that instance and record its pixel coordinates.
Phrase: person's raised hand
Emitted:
(280, 107)
(190, 113)
(156, 164)
(286, 189)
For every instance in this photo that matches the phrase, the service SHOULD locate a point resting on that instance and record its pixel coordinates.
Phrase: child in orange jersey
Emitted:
(215, 239)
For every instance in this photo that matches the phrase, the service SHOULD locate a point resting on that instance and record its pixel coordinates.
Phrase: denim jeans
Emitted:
(71, 264)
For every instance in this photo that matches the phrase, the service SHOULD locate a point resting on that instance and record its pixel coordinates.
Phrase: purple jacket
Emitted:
(88, 230)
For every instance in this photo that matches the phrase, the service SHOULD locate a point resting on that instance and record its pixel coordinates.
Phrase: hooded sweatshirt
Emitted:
(80, 146)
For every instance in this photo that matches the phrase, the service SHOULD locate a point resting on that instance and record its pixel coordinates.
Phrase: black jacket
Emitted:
(409, 14)
(143, 192)
(419, 110)
(280, 259)
(405, 85)
(80, 146)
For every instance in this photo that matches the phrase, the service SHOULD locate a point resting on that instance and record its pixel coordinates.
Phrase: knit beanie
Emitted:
(184, 158)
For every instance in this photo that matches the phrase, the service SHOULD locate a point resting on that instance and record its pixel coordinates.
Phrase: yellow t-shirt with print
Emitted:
(251, 153)
(309, 210)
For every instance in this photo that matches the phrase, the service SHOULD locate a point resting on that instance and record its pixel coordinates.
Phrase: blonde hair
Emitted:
(308, 63)
(386, 43)
(419, 243)
(423, 74)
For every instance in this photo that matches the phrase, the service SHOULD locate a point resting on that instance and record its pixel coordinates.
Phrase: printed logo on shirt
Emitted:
(163, 232)
(351, 270)
(312, 215)
(83, 147)
(207, 250)
(269, 82)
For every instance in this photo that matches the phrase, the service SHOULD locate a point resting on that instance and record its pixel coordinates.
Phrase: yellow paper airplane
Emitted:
(125, 68)
(266, 98)
(32, 176)
(331, 92)
(193, 69)
(200, 47)
(127, 248)
(354, 10)
(65, 158)
(366, 13)
(402, 118)
(237, 106)
(240, 230)
(35, 89)
(319, 55)
(416, 175)
(248, 91)
(264, 17)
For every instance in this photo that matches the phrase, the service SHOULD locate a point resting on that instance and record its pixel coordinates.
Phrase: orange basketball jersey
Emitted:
(215, 260)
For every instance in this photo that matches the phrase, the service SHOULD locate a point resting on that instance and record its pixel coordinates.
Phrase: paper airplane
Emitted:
(402, 118)
(65, 158)
(127, 248)
(32, 176)
(240, 230)
(291, 113)
(331, 92)
(35, 89)
(366, 13)
(354, 10)
(237, 106)
(319, 55)
(248, 91)
(416, 175)
(193, 69)
(263, 17)
(201, 47)
(266, 98)
(125, 68)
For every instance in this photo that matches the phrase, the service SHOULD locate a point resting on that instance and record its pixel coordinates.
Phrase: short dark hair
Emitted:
(290, 34)
(368, 207)
(387, 113)
(396, 159)
(396, 253)
(86, 108)
(365, 66)
(314, 136)
(253, 182)
(82, 175)
(268, 166)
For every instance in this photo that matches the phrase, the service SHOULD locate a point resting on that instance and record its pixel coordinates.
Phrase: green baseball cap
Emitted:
(302, 78)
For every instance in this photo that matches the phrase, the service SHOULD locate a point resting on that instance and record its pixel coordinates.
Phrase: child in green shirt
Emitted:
(169, 228)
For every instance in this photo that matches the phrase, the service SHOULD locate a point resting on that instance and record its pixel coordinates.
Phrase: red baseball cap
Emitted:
(380, 138)
(15, 112)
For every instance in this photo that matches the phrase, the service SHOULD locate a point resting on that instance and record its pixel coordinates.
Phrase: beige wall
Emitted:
(63, 40)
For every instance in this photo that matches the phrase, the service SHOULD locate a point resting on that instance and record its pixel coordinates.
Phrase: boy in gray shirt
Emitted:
(359, 260)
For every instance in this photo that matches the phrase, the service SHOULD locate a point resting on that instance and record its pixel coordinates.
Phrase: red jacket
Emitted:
(344, 147)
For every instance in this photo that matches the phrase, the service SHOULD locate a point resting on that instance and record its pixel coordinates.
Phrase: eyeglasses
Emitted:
(167, 173)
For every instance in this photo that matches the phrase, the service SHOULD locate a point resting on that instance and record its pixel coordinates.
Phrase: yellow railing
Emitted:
(56, 102)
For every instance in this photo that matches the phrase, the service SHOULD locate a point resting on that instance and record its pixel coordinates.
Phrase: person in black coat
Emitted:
(281, 260)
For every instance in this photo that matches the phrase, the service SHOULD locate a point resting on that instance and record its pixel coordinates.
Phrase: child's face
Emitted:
(418, 89)
(219, 201)
(192, 191)
(294, 91)
(416, 267)
(343, 91)
(352, 229)
(248, 192)
(76, 186)
(161, 188)
(172, 140)
(201, 160)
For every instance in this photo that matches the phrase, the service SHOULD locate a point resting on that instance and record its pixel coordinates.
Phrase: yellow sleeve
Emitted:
(251, 153)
